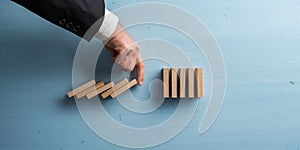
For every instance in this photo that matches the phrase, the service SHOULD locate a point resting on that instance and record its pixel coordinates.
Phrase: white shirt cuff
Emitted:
(108, 26)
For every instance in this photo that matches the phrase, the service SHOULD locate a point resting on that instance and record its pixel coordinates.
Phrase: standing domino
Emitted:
(166, 82)
(199, 82)
(174, 82)
(191, 82)
(182, 72)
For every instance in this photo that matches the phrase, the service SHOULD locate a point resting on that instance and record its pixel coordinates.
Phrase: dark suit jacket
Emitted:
(81, 17)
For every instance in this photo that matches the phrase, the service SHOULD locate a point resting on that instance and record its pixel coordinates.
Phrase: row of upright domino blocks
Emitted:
(186, 84)
(92, 89)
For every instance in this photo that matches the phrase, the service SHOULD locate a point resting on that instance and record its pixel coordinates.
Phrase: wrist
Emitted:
(108, 27)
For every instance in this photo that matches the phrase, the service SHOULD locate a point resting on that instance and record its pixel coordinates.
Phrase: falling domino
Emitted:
(81, 88)
(124, 88)
(89, 90)
(174, 82)
(166, 82)
(114, 88)
(182, 79)
(191, 82)
(100, 90)
(199, 82)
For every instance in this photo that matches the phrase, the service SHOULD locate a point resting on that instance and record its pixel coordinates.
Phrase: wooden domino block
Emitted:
(124, 88)
(174, 82)
(114, 88)
(191, 83)
(81, 88)
(166, 82)
(100, 90)
(199, 82)
(89, 90)
(182, 72)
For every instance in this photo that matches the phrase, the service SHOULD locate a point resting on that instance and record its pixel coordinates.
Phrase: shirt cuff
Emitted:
(108, 26)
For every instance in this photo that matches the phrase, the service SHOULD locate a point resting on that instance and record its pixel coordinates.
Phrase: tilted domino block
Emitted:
(100, 90)
(81, 88)
(124, 88)
(114, 88)
(89, 90)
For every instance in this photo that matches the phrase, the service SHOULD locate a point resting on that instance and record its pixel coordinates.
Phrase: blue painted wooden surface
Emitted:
(260, 42)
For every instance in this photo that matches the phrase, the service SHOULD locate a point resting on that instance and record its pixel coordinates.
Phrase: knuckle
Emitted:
(137, 47)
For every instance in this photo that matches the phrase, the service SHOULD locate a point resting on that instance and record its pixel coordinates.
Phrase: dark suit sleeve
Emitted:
(81, 17)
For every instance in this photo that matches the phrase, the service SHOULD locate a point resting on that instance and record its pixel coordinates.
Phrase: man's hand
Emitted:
(125, 52)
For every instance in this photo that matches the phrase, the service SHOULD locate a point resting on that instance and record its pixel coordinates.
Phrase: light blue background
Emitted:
(260, 42)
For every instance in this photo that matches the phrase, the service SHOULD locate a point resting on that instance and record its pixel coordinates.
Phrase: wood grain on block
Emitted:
(191, 82)
(100, 90)
(89, 90)
(182, 72)
(81, 88)
(166, 82)
(174, 82)
(114, 88)
(124, 88)
(199, 82)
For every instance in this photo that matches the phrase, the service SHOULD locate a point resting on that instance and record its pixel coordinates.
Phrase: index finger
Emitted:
(140, 73)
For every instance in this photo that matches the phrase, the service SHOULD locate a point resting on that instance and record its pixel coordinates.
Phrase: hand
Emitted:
(125, 52)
